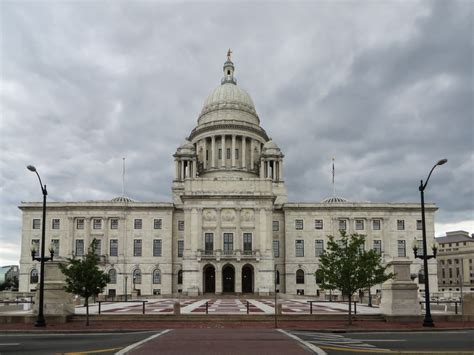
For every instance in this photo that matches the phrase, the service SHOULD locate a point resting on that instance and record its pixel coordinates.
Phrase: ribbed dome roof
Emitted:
(122, 199)
(334, 199)
(228, 96)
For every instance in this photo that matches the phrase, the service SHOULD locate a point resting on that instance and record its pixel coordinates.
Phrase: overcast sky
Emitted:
(386, 87)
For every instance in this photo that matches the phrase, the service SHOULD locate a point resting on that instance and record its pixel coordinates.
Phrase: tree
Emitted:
(10, 284)
(347, 267)
(83, 276)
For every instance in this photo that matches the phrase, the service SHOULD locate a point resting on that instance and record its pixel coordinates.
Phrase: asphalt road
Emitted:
(240, 341)
(431, 342)
(69, 343)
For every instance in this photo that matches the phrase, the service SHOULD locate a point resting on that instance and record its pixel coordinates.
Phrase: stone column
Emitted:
(232, 152)
(244, 148)
(70, 240)
(213, 152)
(238, 231)
(194, 168)
(205, 153)
(238, 279)
(251, 154)
(262, 168)
(280, 169)
(223, 155)
(176, 169)
(218, 236)
(218, 276)
(183, 170)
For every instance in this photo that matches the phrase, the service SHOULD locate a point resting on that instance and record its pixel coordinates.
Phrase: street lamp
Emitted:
(40, 321)
(428, 321)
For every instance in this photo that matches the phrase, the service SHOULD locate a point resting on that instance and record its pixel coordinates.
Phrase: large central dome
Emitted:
(228, 103)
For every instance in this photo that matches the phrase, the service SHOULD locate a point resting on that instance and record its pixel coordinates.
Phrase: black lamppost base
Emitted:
(40, 323)
(429, 323)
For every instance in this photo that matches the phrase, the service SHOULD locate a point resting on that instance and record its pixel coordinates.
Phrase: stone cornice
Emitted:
(359, 206)
(96, 204)
(227, 125)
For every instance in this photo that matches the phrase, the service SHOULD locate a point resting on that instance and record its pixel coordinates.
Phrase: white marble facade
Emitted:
(229, 226)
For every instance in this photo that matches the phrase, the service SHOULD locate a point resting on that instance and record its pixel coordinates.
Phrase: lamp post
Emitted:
(126, 291)
(40, 321)
(428, 321)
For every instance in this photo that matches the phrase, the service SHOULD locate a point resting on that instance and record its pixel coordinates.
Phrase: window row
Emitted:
(113, 247)
(97, 223)
(319, 247)
(359, 224)
(228, 243)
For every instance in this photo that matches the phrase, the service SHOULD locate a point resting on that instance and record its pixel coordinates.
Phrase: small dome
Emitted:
(270, 145)
(334, 199)
(187, 148)
(271, 149)
(186, 145)
(122, 199)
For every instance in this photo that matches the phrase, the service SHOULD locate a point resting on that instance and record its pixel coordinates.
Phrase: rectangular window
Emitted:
(299, 248)
(378, 246)
(207, 154)
(401, 246)
(209, 243)
(113, 250)
(342, 224)
(247, 243)
(276, 248)
(79, 247)
(137, 224)
(319, 247)
(419, 225)
(114, 222)
(299, 224)
(55, 246)
(376, 223)
(237, 153)
(97, 223)
(137, 247)
(80, 223)
(157, 247)
(227, 153)
(359, 224)
(181, 225)
(97, 247)
(220, 153)
(36, 223)
(401, 224)
(318, 224)
(157, 223)
(55, 223)
(276, 226)
(228, 243)
(180, 248)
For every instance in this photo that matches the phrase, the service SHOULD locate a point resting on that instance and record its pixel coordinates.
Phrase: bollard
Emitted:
(248, 307)
(144, 307)
(456, 307)
(355, 308)
(310, 307)
(207, 307)
(99, 307)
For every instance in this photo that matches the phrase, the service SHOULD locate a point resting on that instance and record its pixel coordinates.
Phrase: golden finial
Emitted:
(229, 52)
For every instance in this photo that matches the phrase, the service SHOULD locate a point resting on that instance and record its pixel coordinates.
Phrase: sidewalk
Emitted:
(330, 326)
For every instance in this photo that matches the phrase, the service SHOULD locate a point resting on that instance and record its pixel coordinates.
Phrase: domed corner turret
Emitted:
(186, 161)
(122, 199)
(271, 149)
(186, 149)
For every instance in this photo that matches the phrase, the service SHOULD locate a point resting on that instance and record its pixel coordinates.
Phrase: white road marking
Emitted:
(133, 346)
(9, 344)
(310, 346)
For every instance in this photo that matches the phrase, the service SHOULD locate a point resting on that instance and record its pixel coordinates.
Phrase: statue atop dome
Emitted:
(229, 52)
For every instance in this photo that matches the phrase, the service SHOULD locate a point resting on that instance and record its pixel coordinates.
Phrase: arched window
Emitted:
(156, 277)
(34, 276)
(277, 277)
(137, 277)
(113, 276)
(180, 277)
(300, 276)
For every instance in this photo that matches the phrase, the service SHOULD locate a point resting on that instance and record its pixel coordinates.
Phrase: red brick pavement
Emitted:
(222, 342)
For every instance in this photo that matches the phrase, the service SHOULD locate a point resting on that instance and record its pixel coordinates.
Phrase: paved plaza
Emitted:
(225, 306)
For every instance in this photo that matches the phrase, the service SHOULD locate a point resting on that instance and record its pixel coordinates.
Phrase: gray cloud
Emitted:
(385, 87)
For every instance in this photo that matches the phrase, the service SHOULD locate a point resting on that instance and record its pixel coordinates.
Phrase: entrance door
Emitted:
(209, 279)
(228, 279)
(247, 279)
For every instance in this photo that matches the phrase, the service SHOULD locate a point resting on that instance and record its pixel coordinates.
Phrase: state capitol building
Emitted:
(229, 227)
